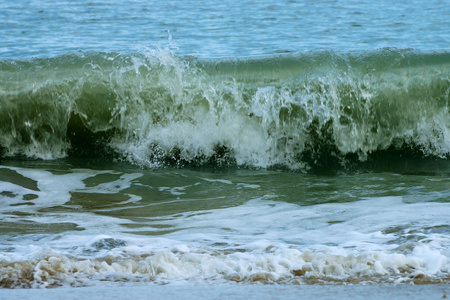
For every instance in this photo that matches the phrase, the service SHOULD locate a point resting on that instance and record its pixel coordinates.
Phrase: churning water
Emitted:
(292, 142)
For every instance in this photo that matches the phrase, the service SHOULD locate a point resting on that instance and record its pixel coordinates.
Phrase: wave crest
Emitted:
(157, 108)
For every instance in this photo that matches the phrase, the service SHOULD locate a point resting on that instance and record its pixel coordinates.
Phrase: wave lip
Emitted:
(296, 110)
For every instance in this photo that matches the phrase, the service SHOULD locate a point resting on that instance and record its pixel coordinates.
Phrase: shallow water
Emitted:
(81, 227)
(401, 292)
(251, 142)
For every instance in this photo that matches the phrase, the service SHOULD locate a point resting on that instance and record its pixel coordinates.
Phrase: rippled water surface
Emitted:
(221, 29)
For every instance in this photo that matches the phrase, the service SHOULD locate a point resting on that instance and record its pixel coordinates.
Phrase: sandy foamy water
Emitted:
(83, 227)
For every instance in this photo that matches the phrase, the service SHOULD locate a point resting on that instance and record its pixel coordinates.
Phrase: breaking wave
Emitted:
(296, 111)
(52, 269)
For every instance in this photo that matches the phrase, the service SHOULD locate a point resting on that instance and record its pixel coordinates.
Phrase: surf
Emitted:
(297, 111)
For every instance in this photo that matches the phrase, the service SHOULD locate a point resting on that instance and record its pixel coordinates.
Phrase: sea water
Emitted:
(182, 142)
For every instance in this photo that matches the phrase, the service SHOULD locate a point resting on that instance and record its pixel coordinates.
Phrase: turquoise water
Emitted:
(178, 142)
(215, 29)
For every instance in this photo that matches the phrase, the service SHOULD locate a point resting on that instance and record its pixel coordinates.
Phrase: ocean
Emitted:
(235, 143)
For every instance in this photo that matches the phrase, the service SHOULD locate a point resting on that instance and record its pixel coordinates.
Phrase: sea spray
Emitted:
(156, 108)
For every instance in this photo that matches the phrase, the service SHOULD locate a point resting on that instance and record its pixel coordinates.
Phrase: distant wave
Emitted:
(296, 111)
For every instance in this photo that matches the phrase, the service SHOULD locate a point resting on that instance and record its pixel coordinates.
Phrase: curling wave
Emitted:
(297, 111)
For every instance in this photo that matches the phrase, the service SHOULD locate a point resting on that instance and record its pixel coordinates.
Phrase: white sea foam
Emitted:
(262, 240)
(112, 234)
(186, 263)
